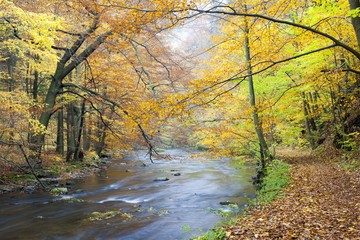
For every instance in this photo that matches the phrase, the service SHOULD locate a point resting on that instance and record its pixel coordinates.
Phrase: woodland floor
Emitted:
(322, 202)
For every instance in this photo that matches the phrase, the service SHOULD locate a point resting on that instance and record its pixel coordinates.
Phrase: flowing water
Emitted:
(159, 209)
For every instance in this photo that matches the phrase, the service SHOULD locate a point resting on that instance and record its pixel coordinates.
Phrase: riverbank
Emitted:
(322, 202)
(50, 176)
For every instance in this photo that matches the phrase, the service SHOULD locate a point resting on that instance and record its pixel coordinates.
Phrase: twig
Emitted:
(31, 168)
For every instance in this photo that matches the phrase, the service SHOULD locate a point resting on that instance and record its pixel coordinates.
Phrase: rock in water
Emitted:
(59, 191)
(69, 182)
(161, 179)
(226, 203)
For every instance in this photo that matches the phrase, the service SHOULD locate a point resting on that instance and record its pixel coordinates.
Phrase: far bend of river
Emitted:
(183, 200)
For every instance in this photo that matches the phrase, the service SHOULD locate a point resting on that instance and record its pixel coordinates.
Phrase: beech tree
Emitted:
(298, 55)
(90, 26)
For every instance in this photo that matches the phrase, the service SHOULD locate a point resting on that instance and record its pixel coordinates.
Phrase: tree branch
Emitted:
(285, 60)
(26, 159)
(85, 54)
(234, 13)
(69, 33)
(143, 133)
(78, 43)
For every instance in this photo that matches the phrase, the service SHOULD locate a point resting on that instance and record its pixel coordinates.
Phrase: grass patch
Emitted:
(277, 177)
(350, 165)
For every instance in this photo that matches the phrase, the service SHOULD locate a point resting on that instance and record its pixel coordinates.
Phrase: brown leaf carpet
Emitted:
(322, 202)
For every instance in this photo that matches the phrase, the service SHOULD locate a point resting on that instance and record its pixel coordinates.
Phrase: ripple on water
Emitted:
(187, 197)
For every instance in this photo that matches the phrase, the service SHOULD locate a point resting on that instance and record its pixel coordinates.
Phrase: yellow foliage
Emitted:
(17, 115)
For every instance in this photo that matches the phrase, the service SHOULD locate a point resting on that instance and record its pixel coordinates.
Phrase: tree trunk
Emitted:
(37, 141)
(65, 66)
(354, 4)
(86, 138)
(70, 132)
(310, 111)
(11, 64)
(101, 135)
(264, 150)
(60, 133)
(307, 121)
(77, 155)
(27, 78)
(35, 85)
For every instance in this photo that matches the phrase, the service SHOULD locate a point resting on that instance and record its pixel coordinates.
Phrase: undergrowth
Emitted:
(277, 177)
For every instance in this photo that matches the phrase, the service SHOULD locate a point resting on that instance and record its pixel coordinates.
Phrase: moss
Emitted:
(98, 216)
(70, 200)
(59, 191)
(162, 212)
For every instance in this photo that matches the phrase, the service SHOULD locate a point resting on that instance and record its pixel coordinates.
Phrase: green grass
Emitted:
(350, 164)
(277, 177)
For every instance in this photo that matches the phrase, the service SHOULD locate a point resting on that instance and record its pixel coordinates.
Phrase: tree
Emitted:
(295, 48)
(111, 26)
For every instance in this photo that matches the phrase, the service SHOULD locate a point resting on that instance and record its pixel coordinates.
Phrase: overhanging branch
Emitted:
(142, 131)
(233, 12)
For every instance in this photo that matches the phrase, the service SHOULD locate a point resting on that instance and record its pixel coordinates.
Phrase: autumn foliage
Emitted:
(104, 75)
(85, 76)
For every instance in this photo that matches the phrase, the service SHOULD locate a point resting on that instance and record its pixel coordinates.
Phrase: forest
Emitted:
(241, 79)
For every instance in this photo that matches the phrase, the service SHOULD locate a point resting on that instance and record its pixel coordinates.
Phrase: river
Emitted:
(157, 209)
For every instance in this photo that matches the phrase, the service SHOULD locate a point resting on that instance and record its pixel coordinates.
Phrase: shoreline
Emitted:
(51, 178)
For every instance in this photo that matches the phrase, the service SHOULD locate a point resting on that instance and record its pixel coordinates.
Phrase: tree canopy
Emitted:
(94, 75)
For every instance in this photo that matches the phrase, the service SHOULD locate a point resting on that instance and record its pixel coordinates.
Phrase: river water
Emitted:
(159, 209)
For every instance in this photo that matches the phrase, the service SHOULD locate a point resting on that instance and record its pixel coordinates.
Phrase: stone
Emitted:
(29, 189)
(226, 203)
(53, 182)
(161, 179)
(59, 191)
(69, 199)
(46, 174)
(69, 182)
(5, 189)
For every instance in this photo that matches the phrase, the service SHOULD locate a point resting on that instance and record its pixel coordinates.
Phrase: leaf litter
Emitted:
(322, 202)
